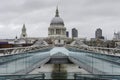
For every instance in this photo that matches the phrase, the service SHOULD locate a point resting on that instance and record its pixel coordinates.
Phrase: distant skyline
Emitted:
(84, 15)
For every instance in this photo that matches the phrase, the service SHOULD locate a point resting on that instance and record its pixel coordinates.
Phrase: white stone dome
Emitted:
(57, 21)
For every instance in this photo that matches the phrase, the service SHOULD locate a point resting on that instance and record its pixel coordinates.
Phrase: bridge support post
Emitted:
(75, 76)
(43, 76)
(59, 67)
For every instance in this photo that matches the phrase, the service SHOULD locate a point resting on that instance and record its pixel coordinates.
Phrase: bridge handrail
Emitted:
(20, 47)
(104, 48)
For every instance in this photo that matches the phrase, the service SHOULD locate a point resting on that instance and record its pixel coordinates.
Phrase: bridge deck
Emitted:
(84, 59)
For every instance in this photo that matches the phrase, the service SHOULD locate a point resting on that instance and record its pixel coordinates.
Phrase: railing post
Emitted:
(75, 76)
(43, 76)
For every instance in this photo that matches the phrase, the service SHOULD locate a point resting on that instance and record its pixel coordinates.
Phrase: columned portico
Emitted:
(57, 31)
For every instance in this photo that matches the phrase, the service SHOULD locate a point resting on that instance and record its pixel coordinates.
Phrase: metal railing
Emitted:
(100, 50)
(16, 50)
(60, 75)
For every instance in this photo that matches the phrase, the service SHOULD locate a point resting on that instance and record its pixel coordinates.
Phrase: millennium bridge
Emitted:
(100, 63)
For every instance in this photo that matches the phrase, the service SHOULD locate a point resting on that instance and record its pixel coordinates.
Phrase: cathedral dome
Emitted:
(57, 21)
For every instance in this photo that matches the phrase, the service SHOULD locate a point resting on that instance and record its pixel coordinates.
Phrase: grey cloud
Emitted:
(83, 14)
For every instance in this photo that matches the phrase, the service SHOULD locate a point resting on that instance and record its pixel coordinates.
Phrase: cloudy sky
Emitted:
(85, 15)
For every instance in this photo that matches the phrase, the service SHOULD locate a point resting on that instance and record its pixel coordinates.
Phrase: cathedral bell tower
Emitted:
(23, 34)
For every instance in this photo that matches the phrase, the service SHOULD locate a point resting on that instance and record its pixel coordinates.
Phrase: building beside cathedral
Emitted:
(23, 34)
(67, 34)
(74, 33)
(116, 36)
(98, 34)
(57, 30)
